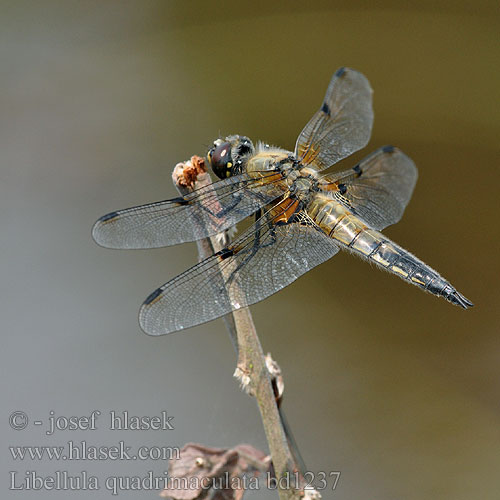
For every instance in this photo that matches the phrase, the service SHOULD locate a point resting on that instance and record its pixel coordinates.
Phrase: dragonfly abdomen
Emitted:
(348, 230)
(397, 260)
(402, 263)
(337, 221)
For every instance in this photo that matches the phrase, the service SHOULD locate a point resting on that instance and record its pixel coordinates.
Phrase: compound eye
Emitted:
(220, 159)
(221, 153)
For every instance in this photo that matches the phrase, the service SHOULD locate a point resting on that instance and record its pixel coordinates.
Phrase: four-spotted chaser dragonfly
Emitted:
(303, 218)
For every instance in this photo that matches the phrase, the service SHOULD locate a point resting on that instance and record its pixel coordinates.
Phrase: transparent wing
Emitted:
(342, 125)
(204, 212)
(265, 259)
(378, 188)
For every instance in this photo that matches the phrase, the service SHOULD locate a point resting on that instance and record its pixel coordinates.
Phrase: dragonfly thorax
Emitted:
(303, 187)
(268, 162)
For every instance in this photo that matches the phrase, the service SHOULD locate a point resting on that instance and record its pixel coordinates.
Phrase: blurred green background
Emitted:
(398, 390)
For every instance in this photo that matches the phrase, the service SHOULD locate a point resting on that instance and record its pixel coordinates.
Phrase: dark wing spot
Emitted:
(340, 72)
(151, 298)
(357, 170)
(108, 217)
(326, 109)
(342, 189)
(225, 253)
(388, 149)
(180, 201)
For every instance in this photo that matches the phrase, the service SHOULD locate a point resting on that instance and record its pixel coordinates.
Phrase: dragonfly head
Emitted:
(227, 156)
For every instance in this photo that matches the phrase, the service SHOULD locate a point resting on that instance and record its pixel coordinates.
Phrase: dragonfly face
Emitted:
(227, 157)
(304, 217)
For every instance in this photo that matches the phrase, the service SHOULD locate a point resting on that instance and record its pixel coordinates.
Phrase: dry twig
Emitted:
(251, 369)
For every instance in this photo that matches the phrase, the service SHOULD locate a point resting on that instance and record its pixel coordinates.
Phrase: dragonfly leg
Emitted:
(256, 243)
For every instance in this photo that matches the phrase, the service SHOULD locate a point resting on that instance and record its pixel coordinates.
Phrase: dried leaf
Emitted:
(212, 473)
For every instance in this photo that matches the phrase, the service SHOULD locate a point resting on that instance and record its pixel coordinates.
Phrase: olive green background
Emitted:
(398, 390)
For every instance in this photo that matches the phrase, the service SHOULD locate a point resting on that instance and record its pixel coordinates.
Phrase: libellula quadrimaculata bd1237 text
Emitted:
(303, 217)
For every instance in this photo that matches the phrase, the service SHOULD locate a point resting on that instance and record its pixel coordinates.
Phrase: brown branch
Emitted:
(251, 368)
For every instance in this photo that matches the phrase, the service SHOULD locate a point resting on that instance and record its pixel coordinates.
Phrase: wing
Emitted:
(378, 188)
(265, 259)
(204, 212)
(342, 125)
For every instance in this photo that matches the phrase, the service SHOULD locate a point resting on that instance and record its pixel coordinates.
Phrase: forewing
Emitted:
(342, 125)
(378, 188)
(265, 259)
(204, 212)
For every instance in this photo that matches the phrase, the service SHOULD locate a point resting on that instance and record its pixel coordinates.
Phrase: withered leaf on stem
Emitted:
(211, 473)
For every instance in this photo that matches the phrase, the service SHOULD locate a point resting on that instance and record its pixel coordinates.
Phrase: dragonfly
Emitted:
(303, 217)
